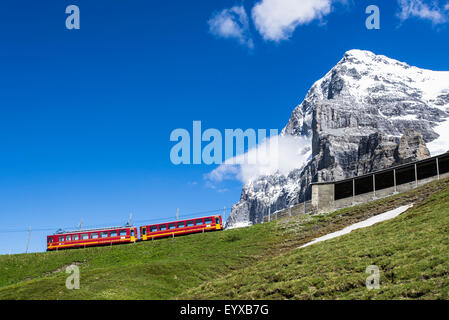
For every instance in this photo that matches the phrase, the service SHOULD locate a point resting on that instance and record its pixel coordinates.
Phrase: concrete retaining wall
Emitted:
(324, 194)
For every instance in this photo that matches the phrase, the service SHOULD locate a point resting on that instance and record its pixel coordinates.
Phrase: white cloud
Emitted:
(212, 186)
(233, 24)
(277, 19)
(279, 154)
(421, 9)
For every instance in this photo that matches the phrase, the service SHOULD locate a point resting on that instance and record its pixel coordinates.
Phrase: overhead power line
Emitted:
(160, 219)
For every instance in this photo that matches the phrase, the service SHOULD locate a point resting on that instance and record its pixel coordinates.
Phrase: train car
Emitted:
(91, 238)
(181, 227)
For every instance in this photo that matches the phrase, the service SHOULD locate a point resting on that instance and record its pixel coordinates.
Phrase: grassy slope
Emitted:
(261, 261)
(150, 270)
(411, 252)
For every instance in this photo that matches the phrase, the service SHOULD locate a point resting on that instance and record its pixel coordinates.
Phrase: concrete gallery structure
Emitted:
(330, 196)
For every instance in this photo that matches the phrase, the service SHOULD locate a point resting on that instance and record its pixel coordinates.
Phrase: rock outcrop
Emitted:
(368, 113)
(412, 147)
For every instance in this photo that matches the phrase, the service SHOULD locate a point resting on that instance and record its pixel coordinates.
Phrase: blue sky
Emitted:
(86, 115)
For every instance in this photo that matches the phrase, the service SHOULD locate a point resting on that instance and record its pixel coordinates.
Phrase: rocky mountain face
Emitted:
(368, 113)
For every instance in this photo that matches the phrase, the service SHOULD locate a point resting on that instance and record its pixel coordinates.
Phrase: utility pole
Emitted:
(177, 214)
(395, 184)
(353, 191)
(28, 240)
(438, 169)
(416, 175)
(81, 224)
(224, 216)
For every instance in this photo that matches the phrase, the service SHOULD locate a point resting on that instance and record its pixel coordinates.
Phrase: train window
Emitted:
(199, 221)
(180, 225)
(84, 236)
(68, 238)
(162, 227)
(171, 226)
(113, 233)
(190, 223)
(153, 228)
(61, 239)
(94, 235)
(75, 237)
(50, 240)
(217, 221)
(104, 234)
(144, 231)
(208, 220)
(123, 233)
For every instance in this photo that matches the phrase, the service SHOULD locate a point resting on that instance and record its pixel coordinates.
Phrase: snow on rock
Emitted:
(355, 118)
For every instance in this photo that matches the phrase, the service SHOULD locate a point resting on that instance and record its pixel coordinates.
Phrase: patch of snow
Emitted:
(237, 225)
(363, 224)
(407, 117)
(433, 84)
(430, 84)
(441, 144)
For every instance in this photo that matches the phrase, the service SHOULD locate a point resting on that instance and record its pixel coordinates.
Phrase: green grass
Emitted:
(411, 251)
(159, 269)
(260, 262)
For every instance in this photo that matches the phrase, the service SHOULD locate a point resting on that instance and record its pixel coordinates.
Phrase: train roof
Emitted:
(180, 220)
(125, 227)
(90, 230)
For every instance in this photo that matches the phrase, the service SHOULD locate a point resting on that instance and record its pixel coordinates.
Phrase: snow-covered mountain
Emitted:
(369, 112)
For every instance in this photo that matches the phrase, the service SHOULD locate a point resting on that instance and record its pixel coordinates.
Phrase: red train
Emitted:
(116, 235)
(91, 238)
(181, 227)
